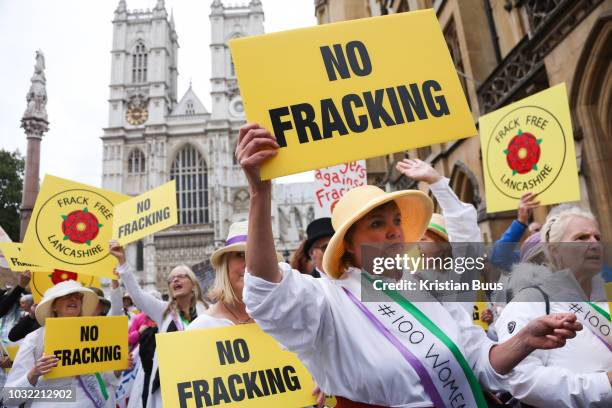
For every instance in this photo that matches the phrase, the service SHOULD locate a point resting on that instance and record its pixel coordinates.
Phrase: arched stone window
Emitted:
(189, 171)
(465, 184)
(136, 162)
(139, 63)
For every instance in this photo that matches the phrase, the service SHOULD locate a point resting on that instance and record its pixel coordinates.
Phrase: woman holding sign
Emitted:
(229, 309)
(387, 353)
(66, 299)
(186, 303)
(579, 374)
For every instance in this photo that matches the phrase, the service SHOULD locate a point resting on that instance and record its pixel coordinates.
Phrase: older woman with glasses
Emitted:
(186, 303)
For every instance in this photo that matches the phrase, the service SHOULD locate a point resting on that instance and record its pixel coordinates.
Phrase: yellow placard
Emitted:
(480, 307)
(41, 281)
(87, 345)
(237, 366)
(70, 227)
(609, 295)
(528, 146)
(13, 253)
(145, 214)
(346, 91)
(11, 351)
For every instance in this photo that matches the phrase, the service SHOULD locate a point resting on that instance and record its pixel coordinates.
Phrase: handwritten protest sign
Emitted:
(14, 257)
(86, 345)
(41, 281)
(528, 146)
(145, 214)
(332, 182)
(237, 366)
(341, 92)
(70, 227)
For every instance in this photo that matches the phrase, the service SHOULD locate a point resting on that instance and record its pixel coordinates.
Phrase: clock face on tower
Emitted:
(137, 115)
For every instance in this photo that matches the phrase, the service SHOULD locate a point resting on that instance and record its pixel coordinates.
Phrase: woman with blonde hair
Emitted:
(579, 374)
(66, 299)
(229, 309)
(185, 305)
(391, 352)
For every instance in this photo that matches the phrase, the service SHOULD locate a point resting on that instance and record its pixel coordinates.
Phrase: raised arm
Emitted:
(146, 302)
(255, 146)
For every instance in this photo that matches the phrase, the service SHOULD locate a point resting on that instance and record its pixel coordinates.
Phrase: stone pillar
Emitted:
(35, 123)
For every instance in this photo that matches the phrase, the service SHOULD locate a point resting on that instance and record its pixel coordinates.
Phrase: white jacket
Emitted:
(30, 350)
(156, 310)
(572, 376)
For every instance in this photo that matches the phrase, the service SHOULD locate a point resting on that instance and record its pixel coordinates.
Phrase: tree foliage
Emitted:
(12, 166)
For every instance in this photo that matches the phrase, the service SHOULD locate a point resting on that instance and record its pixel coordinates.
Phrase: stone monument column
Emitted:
(35, 123)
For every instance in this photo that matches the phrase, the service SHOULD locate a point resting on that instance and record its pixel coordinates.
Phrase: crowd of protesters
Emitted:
(540, 348)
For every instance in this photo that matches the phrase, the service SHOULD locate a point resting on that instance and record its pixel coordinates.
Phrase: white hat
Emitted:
(235, 242)
(88, 307)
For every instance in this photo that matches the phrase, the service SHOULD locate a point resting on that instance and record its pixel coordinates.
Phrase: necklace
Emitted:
(249, 320)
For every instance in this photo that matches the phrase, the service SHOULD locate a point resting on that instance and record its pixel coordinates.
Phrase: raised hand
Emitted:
(24, 279)
(117, 251)
(255, 146)
(526, 205)
(418, 170)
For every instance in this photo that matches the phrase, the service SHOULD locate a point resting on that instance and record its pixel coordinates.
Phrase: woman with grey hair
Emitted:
(579, 374)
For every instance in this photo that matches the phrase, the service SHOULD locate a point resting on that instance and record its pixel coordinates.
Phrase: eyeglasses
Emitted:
(175, 276)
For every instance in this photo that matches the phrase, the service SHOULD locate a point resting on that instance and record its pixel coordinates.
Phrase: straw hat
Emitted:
(235, 242)
(414, 206)
(88, 307)
(437, 225)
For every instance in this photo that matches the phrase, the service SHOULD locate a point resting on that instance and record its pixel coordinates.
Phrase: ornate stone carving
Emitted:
(37, 95)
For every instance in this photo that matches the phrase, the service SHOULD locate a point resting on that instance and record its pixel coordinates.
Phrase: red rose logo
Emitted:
(80, 227)
(59, 276)
(523, 153)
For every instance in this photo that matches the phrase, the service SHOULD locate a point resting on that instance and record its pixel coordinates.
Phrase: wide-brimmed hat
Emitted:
(235, 242)
(414, 205)
(88, 306)
(317, 229)
(437, 225)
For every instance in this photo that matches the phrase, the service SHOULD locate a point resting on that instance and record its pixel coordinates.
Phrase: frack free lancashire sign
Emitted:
(238, 366)
(346, 91)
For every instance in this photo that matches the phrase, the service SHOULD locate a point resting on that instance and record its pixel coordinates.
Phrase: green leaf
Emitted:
(66, 237)
(85, 209)
(64, 216)
(535, 167)
(88, 243)
(506, 152)
(520, 132)
(514, 172)
(539, 141)
(100, 225)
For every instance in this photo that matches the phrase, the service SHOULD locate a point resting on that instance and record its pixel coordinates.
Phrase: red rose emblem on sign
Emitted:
(59, 276)
(80, 227)
(523, 153)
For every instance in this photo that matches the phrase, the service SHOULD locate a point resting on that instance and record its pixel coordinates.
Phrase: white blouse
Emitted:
(30, 350)
(347, 357)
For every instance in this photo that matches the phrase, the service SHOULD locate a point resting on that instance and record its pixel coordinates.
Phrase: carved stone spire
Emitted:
(121, 7)
(35, 123)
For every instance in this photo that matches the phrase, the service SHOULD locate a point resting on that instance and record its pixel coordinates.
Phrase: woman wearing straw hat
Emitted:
(66, 299)
(387, 353)
(580, 374)
(186, 303)
(229, 309)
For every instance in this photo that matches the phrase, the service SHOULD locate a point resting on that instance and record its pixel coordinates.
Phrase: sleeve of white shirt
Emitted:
(24, 362)
(116, 298)
(293, 311)
(534, 383)
(147, 303)
(461, 218)
(476, 346)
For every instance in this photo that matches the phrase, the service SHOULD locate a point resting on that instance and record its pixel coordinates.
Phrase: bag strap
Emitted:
(544, 294)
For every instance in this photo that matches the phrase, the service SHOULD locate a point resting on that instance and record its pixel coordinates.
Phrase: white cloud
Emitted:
(76, 36)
